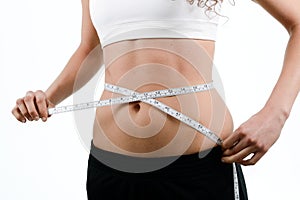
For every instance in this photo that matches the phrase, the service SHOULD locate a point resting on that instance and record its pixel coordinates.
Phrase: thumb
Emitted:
(50, 105)
(229, 142)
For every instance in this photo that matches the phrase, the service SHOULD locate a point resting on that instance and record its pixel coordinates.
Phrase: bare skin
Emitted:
(114, 133)
(256, 135)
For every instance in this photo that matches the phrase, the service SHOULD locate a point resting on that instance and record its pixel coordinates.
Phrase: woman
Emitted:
(154, 45)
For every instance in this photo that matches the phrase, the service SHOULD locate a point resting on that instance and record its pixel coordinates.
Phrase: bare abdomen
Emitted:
(140, 129)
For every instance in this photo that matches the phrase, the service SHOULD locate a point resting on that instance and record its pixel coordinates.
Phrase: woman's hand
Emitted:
(32, 107)
(255, 136)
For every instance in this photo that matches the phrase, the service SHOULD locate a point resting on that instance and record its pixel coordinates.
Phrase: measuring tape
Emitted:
(133, 96)
(149, 97)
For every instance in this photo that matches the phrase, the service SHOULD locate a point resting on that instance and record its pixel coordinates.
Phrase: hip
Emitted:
(191, 176)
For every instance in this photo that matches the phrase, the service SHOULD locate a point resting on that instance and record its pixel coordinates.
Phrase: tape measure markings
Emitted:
(174, 113)
(135, 97)
(183, 118)
(148, 97)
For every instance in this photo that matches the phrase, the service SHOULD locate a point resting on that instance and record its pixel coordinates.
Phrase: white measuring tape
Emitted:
(148, 97)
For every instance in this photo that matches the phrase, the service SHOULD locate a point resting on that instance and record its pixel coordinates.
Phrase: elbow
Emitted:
(88, 47)
(294, 28)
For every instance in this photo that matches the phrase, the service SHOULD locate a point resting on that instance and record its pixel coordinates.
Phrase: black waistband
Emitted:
(205, 162)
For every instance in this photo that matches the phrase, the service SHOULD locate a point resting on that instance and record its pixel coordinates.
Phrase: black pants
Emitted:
(188, 177)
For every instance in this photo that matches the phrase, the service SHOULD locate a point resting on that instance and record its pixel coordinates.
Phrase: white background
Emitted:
(47, 160)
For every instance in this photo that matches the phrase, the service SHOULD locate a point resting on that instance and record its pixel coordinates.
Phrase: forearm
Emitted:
(85, 60)
(287, 87)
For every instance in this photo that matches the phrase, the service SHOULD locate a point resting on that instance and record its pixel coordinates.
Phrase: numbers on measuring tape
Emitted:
(150, 98)
(134, 96)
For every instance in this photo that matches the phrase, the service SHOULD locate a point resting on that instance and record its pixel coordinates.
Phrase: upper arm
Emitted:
(285, 11)
(89, 36)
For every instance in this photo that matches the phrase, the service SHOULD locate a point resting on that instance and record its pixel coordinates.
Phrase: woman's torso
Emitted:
(147, 64)
(153, 64)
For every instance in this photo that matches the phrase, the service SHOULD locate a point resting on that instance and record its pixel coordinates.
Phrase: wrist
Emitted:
(278, 112)
(51, 97)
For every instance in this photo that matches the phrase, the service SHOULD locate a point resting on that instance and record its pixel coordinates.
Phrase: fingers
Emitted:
(240, 156)
(22, 110)
(235, 148)
(42, 105)
(17, 113)
(231, 140)
(29, 101)
(253, 160)
(244, 146)
(32, 107)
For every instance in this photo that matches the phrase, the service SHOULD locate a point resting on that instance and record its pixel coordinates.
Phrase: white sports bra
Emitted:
(117, 20)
